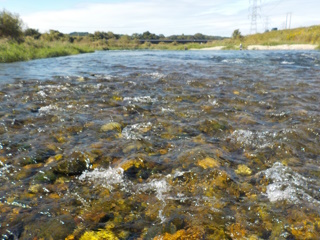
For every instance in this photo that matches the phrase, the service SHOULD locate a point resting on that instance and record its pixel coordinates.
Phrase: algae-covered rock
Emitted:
(34, 188)
(99, 235)
(49, 228)
(237, 231)
(112, 126)
(39, 156)
(135, 168)
(212, 126)
(74, 164)
(105, 234)
(184, 234)
(45, 176)
(305, 230)
(243, 170)
(208, 162)
(2, 161)
(137, 163)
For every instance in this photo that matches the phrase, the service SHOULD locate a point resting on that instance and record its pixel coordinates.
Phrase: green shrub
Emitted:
(10, 25)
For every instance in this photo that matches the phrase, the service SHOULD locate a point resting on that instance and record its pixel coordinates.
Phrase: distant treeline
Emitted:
(145, 36)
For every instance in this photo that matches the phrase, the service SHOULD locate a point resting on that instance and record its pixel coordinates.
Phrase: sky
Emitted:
(168, 17)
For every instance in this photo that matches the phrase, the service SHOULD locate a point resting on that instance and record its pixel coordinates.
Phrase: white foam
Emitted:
(104, 177)
(166, 110)
(47, 109)
(42, 93)
(155, 75)
(214, 103)
(53, 87)
(288, 185)
(248, 138)
(236, 60)
(142, 99)
(161, 187)
(287, 63)
(135, 131)
(103, 76)
(5, 170)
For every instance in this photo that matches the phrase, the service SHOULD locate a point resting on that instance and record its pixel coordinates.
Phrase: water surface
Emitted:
(151, 144)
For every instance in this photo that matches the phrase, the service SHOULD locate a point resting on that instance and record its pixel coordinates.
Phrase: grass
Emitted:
(11, 51)
(306, 35)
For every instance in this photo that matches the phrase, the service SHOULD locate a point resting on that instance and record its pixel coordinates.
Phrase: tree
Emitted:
(32, 33)
(10, 25)
(236, 34)
(125, 39)
(54, 35)
(148, 36)
(199, 36)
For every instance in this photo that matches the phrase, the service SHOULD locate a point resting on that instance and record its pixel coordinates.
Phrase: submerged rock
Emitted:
(212, 126)
(243, 170)
(98, 235)
(74, 164)
(208, 162)
(112, 126)
(190, 233)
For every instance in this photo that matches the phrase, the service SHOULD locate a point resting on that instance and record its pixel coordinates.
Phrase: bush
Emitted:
(10, 25)
(32, 33)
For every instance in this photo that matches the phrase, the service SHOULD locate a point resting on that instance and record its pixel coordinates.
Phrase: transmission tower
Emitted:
(266, 24)
(288, 20)
(254, 8)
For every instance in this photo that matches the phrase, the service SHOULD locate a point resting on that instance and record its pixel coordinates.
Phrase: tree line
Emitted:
(145, 36)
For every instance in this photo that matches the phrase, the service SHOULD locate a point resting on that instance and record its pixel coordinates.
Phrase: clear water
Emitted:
(157, 142)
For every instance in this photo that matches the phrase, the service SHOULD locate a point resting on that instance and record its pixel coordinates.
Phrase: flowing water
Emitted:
(161, 145)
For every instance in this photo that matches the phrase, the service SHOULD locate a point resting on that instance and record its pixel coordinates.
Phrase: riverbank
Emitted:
(11, 51)
(217, 48)
(264, 47)
(284, 47)
(35, 49)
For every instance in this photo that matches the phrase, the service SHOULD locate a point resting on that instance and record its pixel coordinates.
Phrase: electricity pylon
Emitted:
(254, 15)
(288, 20)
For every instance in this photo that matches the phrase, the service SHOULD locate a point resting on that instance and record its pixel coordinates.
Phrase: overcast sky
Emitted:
(168, 17)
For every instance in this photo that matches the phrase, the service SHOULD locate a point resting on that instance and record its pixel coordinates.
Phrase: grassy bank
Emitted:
(306, 35)
(11, 51)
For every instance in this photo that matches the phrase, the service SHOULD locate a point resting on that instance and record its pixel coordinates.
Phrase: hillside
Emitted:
(305, 35)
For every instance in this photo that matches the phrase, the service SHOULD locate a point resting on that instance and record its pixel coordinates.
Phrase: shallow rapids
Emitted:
(161, 145)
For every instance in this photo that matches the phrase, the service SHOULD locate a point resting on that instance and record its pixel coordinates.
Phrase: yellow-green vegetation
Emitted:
(304, 35)
(12, 51)
(101, 234)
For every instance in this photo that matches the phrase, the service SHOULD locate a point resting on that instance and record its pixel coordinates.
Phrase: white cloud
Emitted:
(167, 17)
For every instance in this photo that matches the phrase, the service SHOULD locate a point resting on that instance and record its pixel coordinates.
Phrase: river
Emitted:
(161, 145)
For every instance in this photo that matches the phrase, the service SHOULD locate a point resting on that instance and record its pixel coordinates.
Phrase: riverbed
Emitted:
(161, 145)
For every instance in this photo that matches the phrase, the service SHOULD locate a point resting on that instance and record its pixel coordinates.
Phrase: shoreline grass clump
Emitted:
(12, 51)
